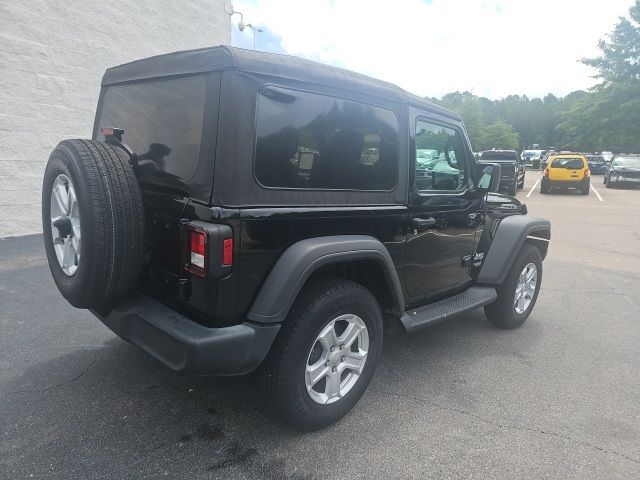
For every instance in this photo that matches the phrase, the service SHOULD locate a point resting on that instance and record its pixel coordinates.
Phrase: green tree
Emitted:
(500, 135)
(606, 119)
(619, 62)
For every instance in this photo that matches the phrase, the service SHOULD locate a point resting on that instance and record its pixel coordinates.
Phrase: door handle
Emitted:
(424, 222)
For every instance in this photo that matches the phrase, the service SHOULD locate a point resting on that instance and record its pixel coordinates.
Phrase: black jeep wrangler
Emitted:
(511, 167)
(238, 210)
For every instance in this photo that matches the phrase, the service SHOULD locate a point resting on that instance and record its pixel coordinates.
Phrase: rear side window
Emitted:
(162, 122)
(312, 141)
(569, 163)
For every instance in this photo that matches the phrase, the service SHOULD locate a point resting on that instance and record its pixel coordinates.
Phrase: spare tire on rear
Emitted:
(93, 222)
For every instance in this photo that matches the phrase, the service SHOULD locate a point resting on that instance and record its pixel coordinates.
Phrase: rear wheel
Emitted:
(518, 293)
(324, 357)
(584, 190)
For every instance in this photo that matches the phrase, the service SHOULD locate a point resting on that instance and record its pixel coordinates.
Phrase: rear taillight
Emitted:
(197, 253)
(546, 172)
(587, 172)
(208, 249)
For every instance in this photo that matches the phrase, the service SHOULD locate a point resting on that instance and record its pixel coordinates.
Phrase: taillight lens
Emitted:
(587, 172)
(197, 255)
(546, 172)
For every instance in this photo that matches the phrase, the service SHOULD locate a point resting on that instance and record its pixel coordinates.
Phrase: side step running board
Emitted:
(466, 301)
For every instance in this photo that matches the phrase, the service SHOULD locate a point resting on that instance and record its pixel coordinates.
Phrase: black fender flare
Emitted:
(300, 260)
(510, 235)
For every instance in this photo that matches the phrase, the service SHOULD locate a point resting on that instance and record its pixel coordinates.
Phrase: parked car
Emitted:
(512, 168)
(597, 165)
(566, 171)
(623, 171)
(530, 155)
(243, 210)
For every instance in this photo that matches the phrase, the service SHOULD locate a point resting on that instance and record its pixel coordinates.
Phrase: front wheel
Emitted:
(518, 293)
(324, 357)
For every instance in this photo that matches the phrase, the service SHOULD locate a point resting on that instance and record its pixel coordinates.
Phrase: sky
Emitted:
(432, 47)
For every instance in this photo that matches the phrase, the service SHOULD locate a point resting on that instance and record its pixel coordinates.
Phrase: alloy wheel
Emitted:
(65, 224)
(336, 359)
(526, 288)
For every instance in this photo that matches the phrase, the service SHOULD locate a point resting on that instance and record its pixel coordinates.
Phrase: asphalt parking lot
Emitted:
(556, 398)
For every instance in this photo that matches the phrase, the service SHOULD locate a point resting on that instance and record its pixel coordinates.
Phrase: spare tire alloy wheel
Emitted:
(526, 288)
(337, 359)
(65, 223)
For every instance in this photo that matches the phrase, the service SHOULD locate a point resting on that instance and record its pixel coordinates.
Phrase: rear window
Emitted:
(312, 141)
(569, 163)
(504, 156)
(162, 122)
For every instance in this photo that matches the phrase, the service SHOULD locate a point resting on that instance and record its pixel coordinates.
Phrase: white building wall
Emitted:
(52, 56)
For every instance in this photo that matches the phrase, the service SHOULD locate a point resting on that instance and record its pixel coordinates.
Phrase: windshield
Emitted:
(633, 162)
(531, 154)
(570, 163)
(503, 156)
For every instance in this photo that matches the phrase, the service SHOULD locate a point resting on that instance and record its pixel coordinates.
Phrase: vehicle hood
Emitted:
(501, 203)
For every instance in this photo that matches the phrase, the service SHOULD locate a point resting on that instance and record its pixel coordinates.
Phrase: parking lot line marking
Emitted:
(597, 193)
(533, 188)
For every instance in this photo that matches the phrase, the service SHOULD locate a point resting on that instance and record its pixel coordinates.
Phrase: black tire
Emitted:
(544, 189)
(604, 179)
(111, 219)
(585, 190)
(513, 190)
(521, 183)
(282, 375)
(502, 313)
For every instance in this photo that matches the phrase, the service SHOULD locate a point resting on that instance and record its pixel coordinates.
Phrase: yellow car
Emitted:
(566, 171)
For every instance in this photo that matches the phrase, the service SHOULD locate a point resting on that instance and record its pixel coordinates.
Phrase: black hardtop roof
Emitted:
(270, 64)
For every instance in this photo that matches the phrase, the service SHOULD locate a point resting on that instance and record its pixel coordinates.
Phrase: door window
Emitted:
(440, 158)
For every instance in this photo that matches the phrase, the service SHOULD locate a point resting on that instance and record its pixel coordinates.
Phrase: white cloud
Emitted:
(494, 48)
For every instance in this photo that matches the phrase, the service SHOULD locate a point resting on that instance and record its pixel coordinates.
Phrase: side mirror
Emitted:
(487, 177)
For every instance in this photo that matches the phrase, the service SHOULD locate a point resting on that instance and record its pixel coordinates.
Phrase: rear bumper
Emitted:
(565, 183)
(186, 346)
